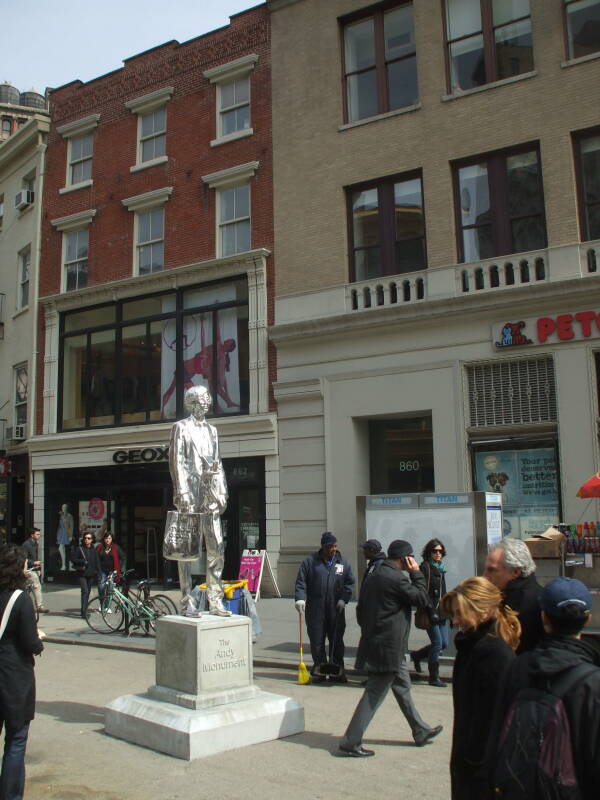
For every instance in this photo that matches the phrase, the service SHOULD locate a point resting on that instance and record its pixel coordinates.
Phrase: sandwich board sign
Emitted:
(255, 567)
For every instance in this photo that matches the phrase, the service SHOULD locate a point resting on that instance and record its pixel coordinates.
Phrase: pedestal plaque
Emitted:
(204, 701)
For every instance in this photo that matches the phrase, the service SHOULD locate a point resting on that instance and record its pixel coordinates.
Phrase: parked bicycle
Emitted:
(131, 609)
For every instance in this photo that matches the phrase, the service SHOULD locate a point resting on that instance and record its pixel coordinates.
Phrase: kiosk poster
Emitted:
(528, 483)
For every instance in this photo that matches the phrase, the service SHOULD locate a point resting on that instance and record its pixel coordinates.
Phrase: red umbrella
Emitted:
(591, 488)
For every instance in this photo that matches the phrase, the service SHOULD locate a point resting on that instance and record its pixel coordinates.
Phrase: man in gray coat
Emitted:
(387, 598)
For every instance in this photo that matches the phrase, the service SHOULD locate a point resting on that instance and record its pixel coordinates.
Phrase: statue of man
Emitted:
(199, 487)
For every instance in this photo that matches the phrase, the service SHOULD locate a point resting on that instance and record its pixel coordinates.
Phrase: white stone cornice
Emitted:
(74, 221)
(150, 102)
(231, 70)
(79, 126)
(231, 176)
(141, 202)
(249, 263)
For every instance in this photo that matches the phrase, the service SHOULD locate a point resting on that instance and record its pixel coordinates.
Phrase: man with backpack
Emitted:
(548, 744)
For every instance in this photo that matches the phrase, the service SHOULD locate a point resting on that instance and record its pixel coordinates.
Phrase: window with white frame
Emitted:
(80, 159)
(20, 410)
(80, 137)
(150, 241)
(233, 98)
(153, 135)
(234, 106)
(23, 287)
(151, 111)
(234, 220)
(232, 208)
(76, 259)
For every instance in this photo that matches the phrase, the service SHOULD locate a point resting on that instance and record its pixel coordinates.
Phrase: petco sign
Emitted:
(566, 327)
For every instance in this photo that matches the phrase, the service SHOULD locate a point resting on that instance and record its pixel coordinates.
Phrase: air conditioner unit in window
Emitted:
(23, 199)
(19, 433)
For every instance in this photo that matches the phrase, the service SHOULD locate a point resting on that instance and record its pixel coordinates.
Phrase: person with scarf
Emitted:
(112, 559)
(87, 565)
(434, 571)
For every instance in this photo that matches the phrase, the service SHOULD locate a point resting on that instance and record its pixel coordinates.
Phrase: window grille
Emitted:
(512, 392)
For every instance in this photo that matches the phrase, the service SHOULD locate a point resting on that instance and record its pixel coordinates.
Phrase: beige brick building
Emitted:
(437, 183)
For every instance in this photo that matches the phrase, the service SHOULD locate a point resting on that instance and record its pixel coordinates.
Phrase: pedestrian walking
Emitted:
(111, 558)
(487, 637)
(388, 597)
(566, 666)
(19, 642)
(31, 546)
(323, 588)
(510, 567)
(87, 565)
(434, 570)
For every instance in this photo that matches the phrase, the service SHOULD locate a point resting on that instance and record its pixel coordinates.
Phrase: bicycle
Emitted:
(114, 609)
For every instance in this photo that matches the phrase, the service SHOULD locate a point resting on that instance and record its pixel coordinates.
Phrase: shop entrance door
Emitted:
(141, 516)
(244, 520)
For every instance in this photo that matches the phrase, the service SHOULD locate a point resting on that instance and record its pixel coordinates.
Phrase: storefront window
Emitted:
(527, 479)
(401, 455)
(122, 373)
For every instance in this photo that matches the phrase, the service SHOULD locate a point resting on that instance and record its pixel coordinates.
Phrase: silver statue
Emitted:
(200, 497)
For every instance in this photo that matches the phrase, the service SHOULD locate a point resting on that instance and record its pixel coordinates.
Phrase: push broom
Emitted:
(303, 674)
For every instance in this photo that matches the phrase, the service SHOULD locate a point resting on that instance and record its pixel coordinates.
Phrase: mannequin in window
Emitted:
(64, 534)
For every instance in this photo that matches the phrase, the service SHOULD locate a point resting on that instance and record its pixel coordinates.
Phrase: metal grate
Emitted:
(512, 392)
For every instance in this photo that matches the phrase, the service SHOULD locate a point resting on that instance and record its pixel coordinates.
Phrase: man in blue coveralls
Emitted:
(323, 587)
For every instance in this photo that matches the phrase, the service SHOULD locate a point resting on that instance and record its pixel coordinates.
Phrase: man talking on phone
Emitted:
(386, 603)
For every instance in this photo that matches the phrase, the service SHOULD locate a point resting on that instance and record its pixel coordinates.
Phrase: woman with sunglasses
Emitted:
(87, 564)
(434, 570)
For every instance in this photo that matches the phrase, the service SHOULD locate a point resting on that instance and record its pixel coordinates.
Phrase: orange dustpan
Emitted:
(303, 674)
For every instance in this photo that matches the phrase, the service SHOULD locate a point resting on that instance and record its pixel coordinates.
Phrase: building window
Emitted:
(401, 455)
(234, 220)
(234, 106)
(583, 27)
(6, 128)
(488, 40)
(29, 184)
(588, 152)
(150, 241)
(380, 67)
(20, 416)
(387, 227)
(130, 362)
(500, 205)
(153, 135)
(24, 268)
(76, 259)
(80, 159)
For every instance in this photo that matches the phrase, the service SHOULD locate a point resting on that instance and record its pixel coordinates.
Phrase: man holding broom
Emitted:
(323, 587)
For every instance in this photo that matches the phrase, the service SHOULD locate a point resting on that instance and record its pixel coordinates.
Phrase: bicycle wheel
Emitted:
(167, 604)
(112, 611)
(94, 616)
(161, 606)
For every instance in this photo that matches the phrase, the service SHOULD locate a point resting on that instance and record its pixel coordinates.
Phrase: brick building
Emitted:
(437, 310)
(157, 274)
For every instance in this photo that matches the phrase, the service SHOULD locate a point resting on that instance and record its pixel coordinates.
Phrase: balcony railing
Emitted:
(568, 262)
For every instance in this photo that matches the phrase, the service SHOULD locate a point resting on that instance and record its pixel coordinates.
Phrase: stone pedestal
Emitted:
(204, 701)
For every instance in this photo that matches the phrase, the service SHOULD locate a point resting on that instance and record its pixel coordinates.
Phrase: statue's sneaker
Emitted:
(218, 609)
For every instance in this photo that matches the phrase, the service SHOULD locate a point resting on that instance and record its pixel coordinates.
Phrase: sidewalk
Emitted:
(277, 646)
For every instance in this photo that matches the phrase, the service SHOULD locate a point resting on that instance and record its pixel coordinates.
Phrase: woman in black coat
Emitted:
(434, 570)
(488, 634)
(87, 564)
(19, 643)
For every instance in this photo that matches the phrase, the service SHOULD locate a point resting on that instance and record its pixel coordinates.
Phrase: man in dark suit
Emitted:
(387, 599)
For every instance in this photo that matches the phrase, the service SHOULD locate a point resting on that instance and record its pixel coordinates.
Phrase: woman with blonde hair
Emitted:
(488, 634)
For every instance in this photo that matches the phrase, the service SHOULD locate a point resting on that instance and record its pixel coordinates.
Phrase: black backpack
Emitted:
(534, 760)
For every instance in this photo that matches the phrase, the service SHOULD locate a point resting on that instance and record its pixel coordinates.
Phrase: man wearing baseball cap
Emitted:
(566, 606)
(387, 599)
(323, 588)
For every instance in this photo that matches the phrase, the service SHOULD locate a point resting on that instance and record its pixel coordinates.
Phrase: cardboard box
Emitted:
(546, 545)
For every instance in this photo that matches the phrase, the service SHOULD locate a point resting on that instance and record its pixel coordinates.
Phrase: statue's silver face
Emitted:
(199, 405)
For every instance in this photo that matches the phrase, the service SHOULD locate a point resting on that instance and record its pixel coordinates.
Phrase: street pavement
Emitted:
(69, 757)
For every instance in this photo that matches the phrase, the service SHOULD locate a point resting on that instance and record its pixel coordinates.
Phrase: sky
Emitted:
(52, 42)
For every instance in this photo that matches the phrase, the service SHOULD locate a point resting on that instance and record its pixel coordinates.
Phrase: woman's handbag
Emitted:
(182, 536)
(422, 616)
